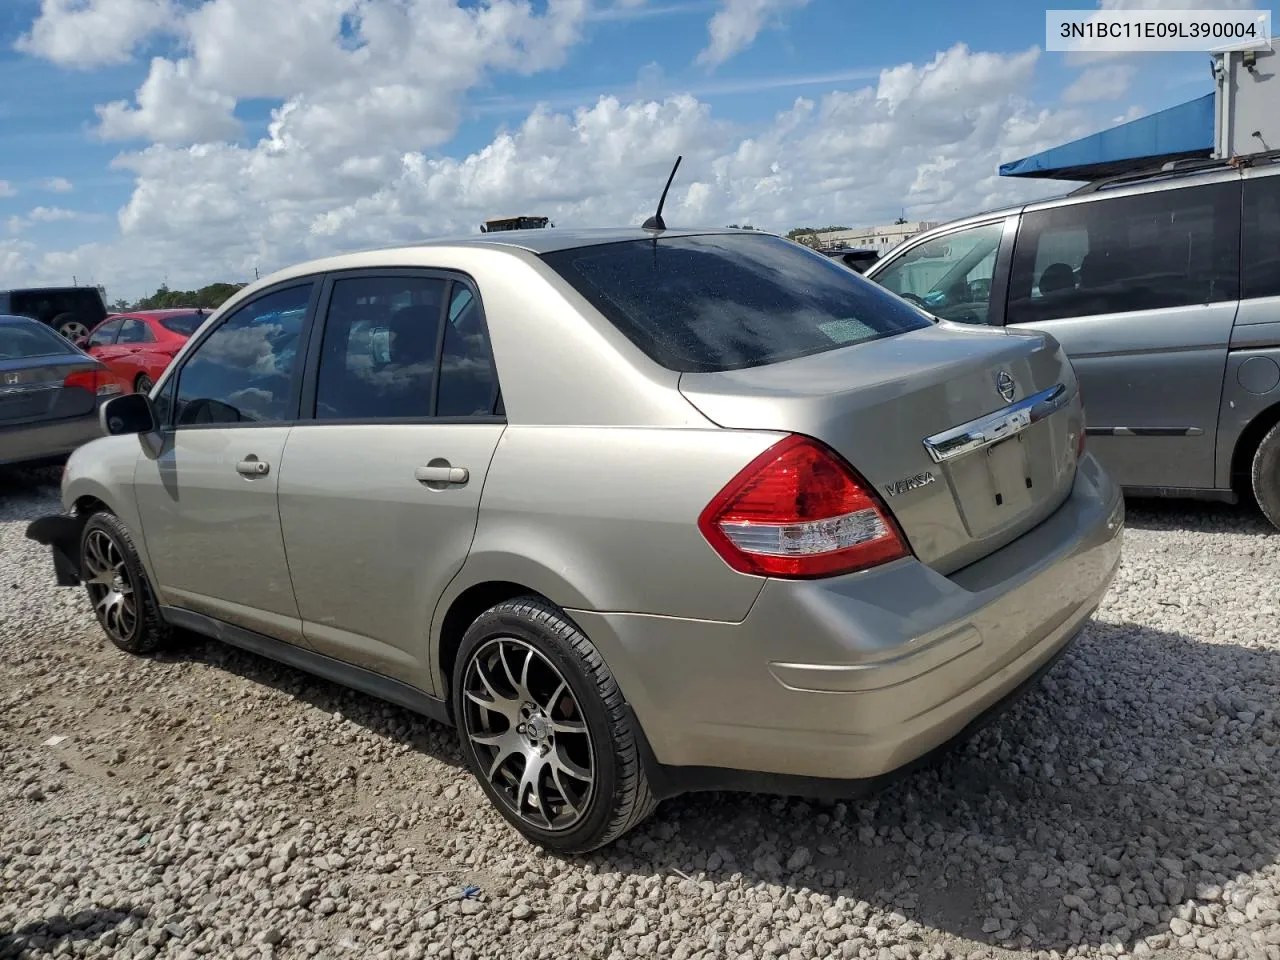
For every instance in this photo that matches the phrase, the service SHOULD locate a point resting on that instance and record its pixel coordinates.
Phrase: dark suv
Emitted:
(72, 311)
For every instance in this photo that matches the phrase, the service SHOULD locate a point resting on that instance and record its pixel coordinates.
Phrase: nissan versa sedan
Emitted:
(638, 511)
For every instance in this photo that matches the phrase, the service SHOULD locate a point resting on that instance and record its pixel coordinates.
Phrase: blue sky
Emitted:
(639, 53)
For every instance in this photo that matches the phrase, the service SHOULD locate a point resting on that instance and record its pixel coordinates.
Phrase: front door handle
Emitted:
(251, 466)
(441, 474)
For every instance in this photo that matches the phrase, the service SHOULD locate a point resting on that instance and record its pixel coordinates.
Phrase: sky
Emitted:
(192, 141)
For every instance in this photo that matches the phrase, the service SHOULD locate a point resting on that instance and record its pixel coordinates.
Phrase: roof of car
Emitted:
(549, 240)
(9, 320)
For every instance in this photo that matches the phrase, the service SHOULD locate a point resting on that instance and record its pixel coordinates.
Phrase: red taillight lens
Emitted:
(95, 381)
(798, 510)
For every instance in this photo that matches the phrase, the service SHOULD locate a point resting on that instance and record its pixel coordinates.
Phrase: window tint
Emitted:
(163, 402)
(727, 301)
(105, 335)
(1171, 248)
(1261, 238)
(244, 371)
(468, 383)
(379, 352)
(135, 331)
(949, 276)
(20, 342)
(185, 324)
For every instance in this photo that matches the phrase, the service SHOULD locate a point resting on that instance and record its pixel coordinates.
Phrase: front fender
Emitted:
(103, 471)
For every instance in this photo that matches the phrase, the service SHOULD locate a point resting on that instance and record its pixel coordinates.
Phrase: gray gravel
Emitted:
(209, 803)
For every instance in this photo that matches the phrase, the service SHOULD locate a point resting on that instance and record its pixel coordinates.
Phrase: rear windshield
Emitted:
(22, 342)
(724, 302)
(184, 325)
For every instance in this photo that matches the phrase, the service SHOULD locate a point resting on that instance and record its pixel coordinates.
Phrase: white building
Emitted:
(881, 239)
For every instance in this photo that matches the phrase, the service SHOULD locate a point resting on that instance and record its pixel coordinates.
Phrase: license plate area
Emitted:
(994, 486)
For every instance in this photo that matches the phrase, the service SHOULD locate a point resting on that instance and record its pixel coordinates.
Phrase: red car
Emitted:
(137, 347)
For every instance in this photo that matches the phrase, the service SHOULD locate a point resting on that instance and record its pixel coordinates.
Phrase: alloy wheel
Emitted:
(529, 734)
(73, 330)
(144, 384)
(111, 588)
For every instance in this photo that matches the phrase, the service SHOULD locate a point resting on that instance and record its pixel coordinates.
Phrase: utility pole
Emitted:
(255, 273)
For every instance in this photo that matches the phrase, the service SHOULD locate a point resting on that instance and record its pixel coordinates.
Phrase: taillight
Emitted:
(798, 510)
(93, 381)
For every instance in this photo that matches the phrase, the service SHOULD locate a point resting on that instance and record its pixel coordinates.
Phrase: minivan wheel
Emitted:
(544, 728)
(1266, 475)
(118, 588)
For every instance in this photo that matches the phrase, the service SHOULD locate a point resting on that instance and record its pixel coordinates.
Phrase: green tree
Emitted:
(209, 297)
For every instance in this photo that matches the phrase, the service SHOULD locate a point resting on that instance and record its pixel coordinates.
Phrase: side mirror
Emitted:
(130, 413)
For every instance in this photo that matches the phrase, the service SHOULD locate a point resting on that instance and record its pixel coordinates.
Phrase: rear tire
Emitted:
(530, 688)
(1265, 475)
(119, 591)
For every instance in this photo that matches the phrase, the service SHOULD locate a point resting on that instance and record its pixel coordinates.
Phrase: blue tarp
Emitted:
(1178, 133)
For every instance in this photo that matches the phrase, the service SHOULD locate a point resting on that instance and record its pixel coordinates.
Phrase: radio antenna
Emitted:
(656, 222)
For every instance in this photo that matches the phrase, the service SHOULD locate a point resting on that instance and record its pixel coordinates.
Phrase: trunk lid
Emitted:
(998, 465)
(32, 388)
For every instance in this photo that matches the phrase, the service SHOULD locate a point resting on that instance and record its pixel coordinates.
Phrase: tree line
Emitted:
(208, 298)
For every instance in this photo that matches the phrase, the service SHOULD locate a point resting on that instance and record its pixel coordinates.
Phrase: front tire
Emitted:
(1265, 475)
(119, 591)
(143, 384)
(544, 728)
(70, 327)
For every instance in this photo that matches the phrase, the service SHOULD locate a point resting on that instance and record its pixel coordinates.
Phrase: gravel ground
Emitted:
(211, 803)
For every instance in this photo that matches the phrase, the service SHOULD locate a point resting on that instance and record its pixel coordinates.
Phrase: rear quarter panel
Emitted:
(1250, 386)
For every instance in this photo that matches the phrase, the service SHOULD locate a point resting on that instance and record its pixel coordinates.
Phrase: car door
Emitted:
(380, 491)
(953, 274)
(101, 342)
(1141, 289)
(208, 500)
(129, 357)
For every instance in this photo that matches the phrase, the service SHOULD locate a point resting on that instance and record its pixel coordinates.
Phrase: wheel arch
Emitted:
(1247, 445)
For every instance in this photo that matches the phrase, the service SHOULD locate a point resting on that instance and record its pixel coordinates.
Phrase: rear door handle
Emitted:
(441, 474)
(253, 467)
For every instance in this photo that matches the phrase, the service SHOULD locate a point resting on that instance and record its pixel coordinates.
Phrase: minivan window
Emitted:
(950, 276)
(244, 371)
(1168, 248)
(1260, 238)
(728, 301)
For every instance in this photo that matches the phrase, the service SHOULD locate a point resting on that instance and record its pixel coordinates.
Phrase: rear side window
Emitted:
(1260, 237)
(23, 342)
(1171, 248)
(725, 302)
(184, 325)
(135, 331)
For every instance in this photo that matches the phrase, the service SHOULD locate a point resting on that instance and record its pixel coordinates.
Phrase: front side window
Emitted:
(105, 335)
(1169, 248)
(378, 357)
(728, 301)
(1260, 238)
(245, 370)
(949, 276)
(135, 331)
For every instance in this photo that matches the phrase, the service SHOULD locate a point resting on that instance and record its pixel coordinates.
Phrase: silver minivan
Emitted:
(1164, 289)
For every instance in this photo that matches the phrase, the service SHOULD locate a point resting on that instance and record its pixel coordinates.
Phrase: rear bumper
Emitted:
(852, 678)
(47, 439)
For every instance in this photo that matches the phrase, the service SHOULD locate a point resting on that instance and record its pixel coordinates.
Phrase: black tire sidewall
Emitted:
(505, 621)
(138, 641)
(1266, 475)
(138, 384)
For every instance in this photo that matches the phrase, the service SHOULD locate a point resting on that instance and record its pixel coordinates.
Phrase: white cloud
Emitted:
(1100, 83)
(58, 185)
(736, 25)
(92, 33)
(926, 136)
(7, 189)
(51, 215)
(170, 110)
